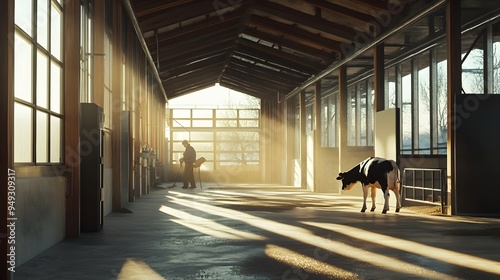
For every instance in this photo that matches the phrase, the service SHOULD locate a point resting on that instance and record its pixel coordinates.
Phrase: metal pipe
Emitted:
(363, 49)
(137, 29)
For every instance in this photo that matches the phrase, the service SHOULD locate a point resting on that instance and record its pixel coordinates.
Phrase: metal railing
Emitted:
(424, 185)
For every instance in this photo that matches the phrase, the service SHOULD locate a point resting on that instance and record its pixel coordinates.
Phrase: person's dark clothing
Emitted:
(189, 159)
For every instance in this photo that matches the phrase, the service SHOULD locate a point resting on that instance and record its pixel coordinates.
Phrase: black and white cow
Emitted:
(373, 173)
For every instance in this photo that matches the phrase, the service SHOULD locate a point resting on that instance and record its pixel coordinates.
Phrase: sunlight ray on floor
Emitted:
(207, 226)
(306, 263)
(307, 237)
(439, 254)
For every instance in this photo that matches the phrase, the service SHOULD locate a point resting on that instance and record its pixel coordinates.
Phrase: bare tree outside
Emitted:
(223, 124)
(235, 146)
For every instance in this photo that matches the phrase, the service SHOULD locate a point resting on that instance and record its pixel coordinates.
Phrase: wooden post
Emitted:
(379, 82)
(303, 139)
(342, 116)
(317, 134)
(117, 105)
(72, 114)
(6, 122)
(453, 45)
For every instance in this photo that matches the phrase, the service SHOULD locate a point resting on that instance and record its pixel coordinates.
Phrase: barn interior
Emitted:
(88, 93)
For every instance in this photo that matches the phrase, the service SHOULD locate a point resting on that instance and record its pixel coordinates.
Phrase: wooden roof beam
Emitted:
(341, 33)
(301, 35)
(293, 45)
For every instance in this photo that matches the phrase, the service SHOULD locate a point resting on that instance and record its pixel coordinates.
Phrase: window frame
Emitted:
(34, 104)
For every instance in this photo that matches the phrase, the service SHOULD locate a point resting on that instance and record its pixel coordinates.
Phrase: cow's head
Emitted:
(349, 179)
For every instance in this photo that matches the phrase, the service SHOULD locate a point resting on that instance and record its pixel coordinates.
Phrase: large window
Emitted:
(329, 121)
(226, 133)
(38, 68)
(87, 51)
(360, 98)
(423, 104)
(225, 137)
(418, 87)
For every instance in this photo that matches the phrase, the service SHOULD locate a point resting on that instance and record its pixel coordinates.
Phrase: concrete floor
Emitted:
(269, 232)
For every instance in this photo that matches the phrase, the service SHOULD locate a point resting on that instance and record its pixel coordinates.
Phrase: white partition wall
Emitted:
(386, 142)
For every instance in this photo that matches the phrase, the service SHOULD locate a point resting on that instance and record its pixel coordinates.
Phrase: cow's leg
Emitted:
(374, 196)
(386, 201)
(365, 194)
(383, 185)
(398, 199)
(393, 185)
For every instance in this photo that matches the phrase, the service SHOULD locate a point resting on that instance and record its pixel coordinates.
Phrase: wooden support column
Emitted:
(342, 117)
(303, 139)
(6, 122)
(290, 140)
(317, 135)
(117, 105)
(379, 76)
(72, 114)
(281, 139)
(453, 45)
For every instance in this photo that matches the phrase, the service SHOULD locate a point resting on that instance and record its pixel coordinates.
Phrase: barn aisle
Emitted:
(271, 232)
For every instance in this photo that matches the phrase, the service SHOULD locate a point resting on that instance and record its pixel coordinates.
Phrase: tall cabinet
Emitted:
(91, 168)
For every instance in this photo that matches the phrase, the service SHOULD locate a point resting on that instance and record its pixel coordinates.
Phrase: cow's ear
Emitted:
(340, 177)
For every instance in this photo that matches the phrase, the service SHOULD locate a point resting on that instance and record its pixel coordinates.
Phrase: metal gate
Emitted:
(425, 185)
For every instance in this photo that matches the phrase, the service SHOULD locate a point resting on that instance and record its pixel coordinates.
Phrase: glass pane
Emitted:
(181, 123)
(42, 121)
(309, 117)
(245, 123)
(202, 136)
(226, 114)
(442, 99)
(249, 114)
(202, 114)
(351, 116)
(226, 123)
(332, 121)
(370, 114)
(390, 87)
(496, 58)
(23, 64)
(424, 104)
(406, 129)
(202, 147)
(179, 136)
(55, 87)
(23, 15)
(324, 122)
(202, 123)
(23, 133)
(252, 157)
(55, 139)
(181, 113)
(42, 23)
(55, 32)
(472, 67)
(42, 80)
(362, 114)
(406, 109)
(107, 61)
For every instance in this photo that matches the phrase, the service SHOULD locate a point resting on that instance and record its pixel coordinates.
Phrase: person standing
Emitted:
(189, 159)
